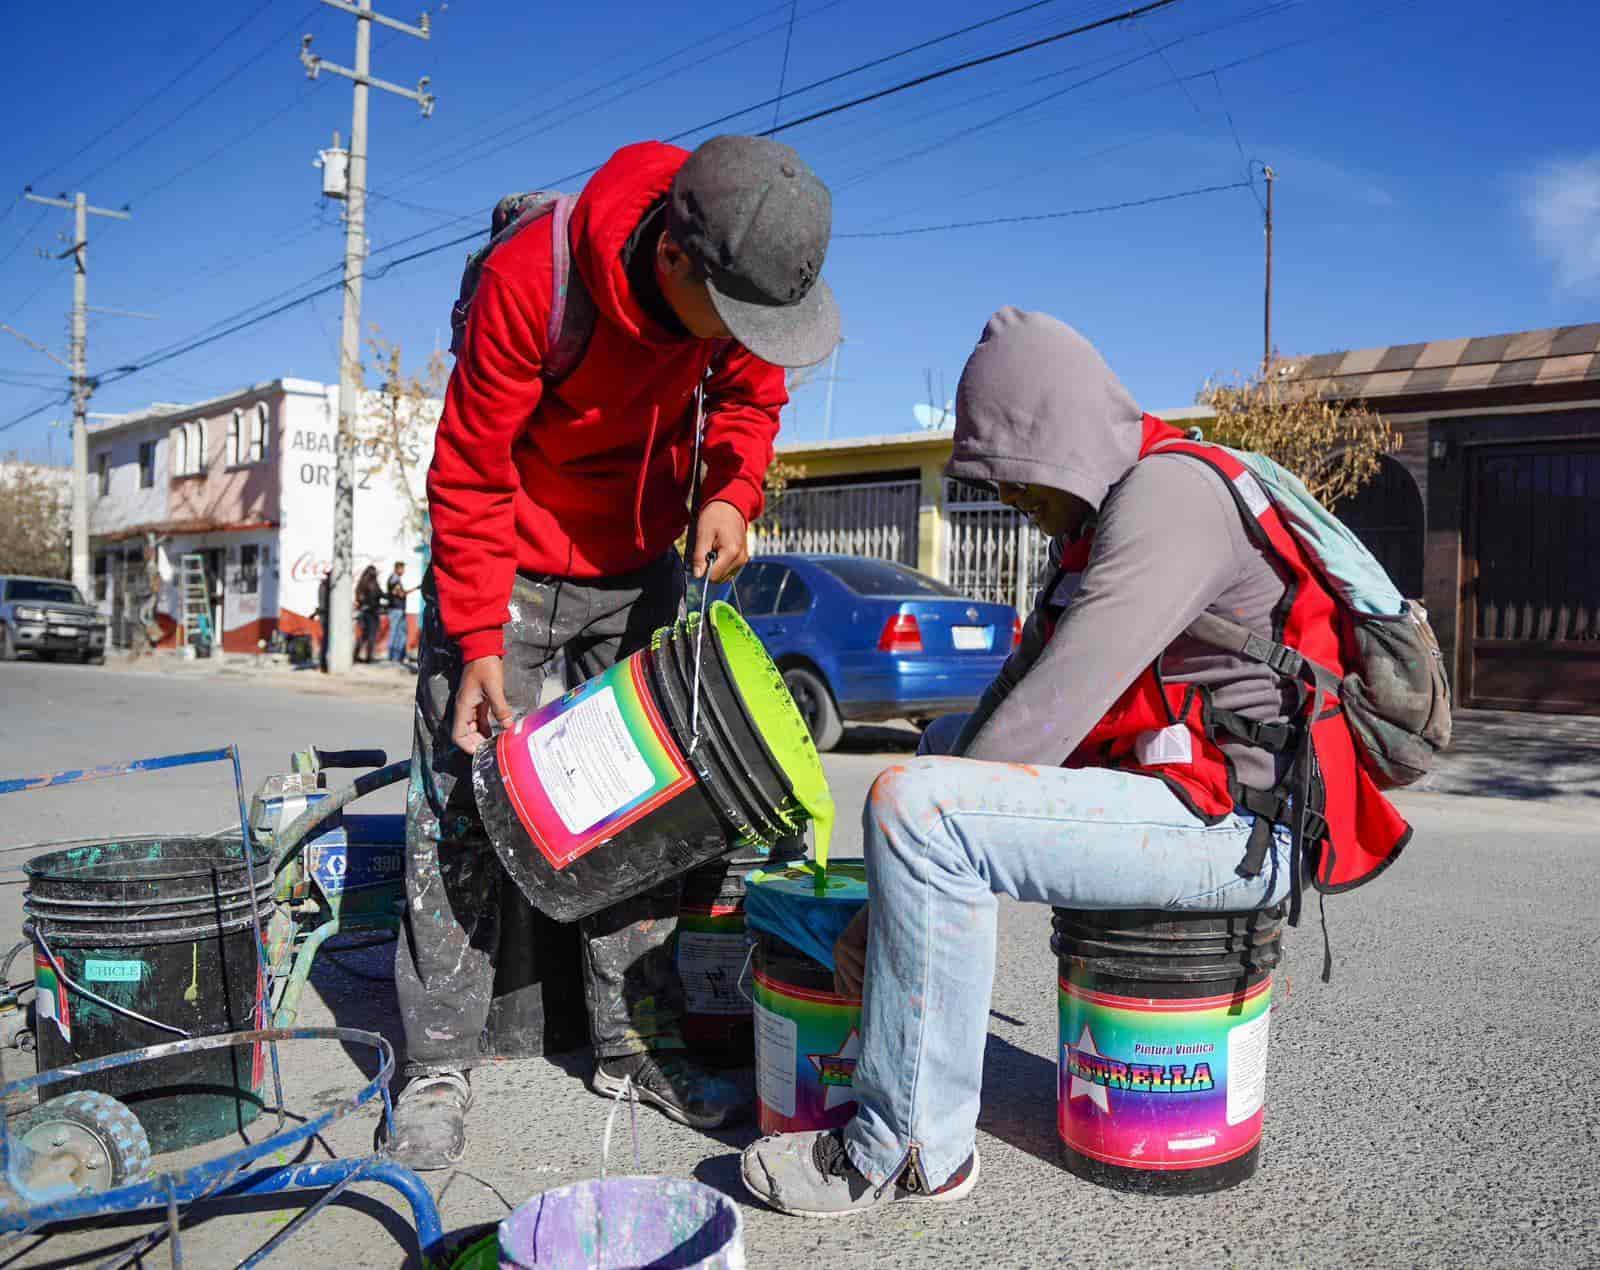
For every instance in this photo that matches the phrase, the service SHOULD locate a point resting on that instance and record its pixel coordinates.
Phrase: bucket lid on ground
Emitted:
(805, 906)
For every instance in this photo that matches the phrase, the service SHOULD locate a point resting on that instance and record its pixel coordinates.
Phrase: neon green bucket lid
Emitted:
(777, 719)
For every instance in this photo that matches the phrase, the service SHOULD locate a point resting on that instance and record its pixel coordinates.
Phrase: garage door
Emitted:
(1533, 568)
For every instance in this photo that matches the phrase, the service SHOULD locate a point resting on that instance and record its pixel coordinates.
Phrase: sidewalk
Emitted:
(381, 680)
(1552, 758)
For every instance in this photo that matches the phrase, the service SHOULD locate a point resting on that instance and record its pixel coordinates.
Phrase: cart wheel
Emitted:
(86, 1140)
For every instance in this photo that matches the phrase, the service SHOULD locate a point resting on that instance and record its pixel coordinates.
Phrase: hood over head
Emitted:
(1037, 405)
(613, 202)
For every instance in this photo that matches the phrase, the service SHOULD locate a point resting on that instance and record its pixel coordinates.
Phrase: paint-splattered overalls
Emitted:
(446, 963)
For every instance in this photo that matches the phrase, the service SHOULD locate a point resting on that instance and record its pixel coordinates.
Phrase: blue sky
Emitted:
(1439, 175)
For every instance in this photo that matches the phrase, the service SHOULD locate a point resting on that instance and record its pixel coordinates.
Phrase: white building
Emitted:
(241, 488)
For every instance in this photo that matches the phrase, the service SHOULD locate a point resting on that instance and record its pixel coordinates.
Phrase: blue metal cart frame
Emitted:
(229, 1176)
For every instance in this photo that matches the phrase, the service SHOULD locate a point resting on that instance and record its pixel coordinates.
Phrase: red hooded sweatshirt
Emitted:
(588, 478)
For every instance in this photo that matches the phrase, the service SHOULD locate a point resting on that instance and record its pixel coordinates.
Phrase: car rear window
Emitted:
(883, 578)
(42, 592)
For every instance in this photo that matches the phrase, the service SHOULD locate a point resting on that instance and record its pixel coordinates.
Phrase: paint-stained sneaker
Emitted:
(681, 1088)
(810, 1175)
(430, 1121)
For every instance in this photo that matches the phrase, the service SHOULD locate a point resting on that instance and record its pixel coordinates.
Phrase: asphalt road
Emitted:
(1434, 1106)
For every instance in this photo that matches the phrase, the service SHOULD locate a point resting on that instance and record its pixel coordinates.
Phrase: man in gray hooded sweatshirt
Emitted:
(988, 809)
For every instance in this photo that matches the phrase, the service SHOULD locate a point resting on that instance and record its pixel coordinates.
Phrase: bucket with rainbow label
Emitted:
(628, 780)
(1163, 1045)
(808, 1036)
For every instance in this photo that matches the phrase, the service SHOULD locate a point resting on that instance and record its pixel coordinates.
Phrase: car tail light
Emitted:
(1016, 632)
(901, 634)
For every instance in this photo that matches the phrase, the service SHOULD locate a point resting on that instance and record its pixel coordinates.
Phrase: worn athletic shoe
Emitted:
(682, 1089)
(430, 1121)
(809, 1175)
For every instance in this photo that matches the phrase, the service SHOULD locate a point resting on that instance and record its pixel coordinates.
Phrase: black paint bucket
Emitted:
(600, 795)
(714, 961)
(1163, 1045)
(161, 927)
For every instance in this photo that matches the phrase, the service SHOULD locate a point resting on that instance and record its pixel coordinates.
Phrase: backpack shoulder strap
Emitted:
(1240, 640)
(572, 311)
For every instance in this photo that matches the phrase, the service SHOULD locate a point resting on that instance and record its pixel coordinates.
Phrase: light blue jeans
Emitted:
(399, 634)
(944, 837)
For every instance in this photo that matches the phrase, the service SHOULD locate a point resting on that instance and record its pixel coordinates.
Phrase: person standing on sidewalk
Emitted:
(555, 507)
(369, 609)
(399, 630)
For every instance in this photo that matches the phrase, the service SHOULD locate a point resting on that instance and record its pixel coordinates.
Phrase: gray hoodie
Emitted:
(1038, 405)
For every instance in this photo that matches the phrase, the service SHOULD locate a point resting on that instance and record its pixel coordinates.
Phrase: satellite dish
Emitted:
(932, 418)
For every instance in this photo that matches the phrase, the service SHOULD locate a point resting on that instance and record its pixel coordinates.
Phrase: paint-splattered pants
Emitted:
(943, 837)
(445, 965)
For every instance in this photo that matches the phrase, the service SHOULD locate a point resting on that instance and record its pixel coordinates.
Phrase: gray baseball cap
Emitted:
(757, 220)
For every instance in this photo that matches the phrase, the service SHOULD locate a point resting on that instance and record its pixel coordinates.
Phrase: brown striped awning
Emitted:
(1556, 355)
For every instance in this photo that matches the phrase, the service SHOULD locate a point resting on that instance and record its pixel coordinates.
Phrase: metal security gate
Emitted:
(993, 553)
(1386, 514)
(1532, 616)
(877, 518)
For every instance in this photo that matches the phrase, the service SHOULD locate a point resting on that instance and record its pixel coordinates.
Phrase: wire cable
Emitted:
(161, 92)
(274, 45)
(39, 410)
(1039, 216)
(783, 71)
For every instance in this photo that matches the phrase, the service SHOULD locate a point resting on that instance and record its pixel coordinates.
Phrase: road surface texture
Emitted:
(1436, 1105)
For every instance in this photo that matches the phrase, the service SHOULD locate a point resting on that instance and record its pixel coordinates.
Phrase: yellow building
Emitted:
(887, 496)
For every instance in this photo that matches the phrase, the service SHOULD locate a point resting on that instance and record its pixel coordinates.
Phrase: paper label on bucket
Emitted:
(1247, 1068)
(777, 1043)
(586, 766)
(588, 761)
(807, 1044)
(710, 963)
(1162, 1084)
(96, 970)
(50, 996)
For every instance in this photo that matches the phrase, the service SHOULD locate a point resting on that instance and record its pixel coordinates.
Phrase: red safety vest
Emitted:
(1165, 730)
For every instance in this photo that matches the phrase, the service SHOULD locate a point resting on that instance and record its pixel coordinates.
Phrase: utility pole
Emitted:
(341, 583)
(79, 357)
(1266, 312)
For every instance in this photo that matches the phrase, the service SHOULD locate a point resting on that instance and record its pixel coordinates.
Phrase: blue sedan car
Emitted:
(865, 640)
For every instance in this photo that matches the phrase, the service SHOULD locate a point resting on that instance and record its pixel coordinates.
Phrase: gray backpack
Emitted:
(572, 312)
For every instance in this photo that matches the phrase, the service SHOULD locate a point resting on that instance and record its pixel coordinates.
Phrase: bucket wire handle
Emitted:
(67, 981)
(631, 1093)
(749, 956)
(699, 649)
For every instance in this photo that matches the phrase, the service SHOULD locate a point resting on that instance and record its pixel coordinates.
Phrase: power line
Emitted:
(783, 71)
(147, 363)
(161, 92)
(34, 413)
(1126, 16)
(274, 45)
(26, 234)
(1037, 216)
(300, 99)
(882, 166)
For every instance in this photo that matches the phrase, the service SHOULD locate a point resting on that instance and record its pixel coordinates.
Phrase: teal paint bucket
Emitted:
(161, 927)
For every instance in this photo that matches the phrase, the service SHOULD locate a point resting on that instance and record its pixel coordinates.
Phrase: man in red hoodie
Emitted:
(555, 504)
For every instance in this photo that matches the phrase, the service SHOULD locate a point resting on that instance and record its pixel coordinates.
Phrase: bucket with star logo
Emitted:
(1163, 1045)
(807, 1036)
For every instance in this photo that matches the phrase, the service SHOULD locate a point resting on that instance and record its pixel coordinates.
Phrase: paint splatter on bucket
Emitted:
(1163, 1046)
(808, 1037)
(620, 1223)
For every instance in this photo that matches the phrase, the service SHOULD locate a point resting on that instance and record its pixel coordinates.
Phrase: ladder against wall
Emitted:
(195, 588)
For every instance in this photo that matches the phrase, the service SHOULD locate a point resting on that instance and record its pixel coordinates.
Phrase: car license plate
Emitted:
(970, 639)
(66, 632)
